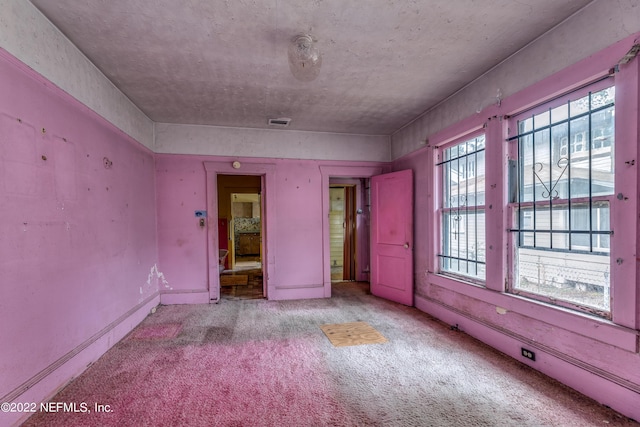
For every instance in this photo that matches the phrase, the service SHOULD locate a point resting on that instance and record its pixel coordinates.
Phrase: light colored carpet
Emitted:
(352, 333)
(267, 363)
(156, 332)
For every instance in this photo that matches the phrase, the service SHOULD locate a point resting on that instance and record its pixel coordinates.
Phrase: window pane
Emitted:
(603, 97)
(601, 222)
(560, 240)
(579, 157)
(525, 125)
(464, 250)
(463, 224)
(454, 184)
(541, 167)
(463, 181)
(561, 225)
(579, 106)
(559, 162)
(446, 187)
(527, 177)
(479, 180)
(541, 120)
(562, 220)
(579, 278)
(541, 218)
(560, 113)
(602, 139)
(527, 239)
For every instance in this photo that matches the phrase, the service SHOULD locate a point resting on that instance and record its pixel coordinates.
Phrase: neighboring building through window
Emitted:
(563, 188)
(462, 213)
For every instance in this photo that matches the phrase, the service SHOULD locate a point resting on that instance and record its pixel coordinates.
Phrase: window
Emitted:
(462, 213)
(563, 188)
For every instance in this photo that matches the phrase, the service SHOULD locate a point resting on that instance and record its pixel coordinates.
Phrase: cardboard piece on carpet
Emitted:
(353, 333)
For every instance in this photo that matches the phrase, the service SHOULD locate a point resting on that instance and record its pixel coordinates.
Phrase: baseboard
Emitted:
(604, 387)
(191, 296)
(308, 291)
(46, 383)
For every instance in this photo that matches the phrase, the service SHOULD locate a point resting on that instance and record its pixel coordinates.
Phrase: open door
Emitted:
(392, 236)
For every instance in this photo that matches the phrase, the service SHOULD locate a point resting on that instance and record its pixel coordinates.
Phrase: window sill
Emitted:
(594, 327)
(462, 279)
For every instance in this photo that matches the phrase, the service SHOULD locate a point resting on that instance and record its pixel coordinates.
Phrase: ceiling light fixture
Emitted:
(304, 58)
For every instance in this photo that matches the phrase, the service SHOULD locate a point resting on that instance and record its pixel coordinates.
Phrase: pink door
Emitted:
(392, 236)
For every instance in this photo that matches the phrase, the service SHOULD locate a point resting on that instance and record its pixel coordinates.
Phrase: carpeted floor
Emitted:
(268, 363)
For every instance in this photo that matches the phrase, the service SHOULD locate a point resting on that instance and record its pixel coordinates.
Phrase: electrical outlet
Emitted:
(528, 354)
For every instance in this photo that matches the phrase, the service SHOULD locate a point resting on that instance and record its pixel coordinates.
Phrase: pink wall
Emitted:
(77, 238)
(181, 190)
(595, 356)
(295, 240)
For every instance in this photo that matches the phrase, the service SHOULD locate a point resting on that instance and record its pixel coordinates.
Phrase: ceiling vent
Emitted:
(282, 122)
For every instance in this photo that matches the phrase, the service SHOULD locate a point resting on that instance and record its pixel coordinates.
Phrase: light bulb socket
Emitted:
(304, 58)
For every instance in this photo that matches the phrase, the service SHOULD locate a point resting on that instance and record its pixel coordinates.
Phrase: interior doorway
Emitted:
(342, 231)
(358, 176)
(240, 231)
(246, 226)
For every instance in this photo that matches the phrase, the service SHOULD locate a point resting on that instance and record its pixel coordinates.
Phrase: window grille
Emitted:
(462, 213)
(563, 189)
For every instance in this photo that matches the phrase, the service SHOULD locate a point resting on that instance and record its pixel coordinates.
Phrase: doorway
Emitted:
(246, 231)
(342, 232)
(240, 231)
(357, 176)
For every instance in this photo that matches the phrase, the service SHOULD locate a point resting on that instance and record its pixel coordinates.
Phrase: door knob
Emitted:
(406, 245)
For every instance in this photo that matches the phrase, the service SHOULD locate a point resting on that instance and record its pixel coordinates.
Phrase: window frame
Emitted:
(441, 210)
(513, 133)
(434, 291)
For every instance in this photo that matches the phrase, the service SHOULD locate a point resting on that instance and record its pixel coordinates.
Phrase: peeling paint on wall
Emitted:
(155, 280)
(156, 277)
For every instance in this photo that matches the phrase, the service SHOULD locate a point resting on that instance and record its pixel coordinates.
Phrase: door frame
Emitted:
(338, 172)
(268, 188)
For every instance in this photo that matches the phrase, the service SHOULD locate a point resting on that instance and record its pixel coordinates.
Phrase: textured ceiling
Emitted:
(224, 62)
